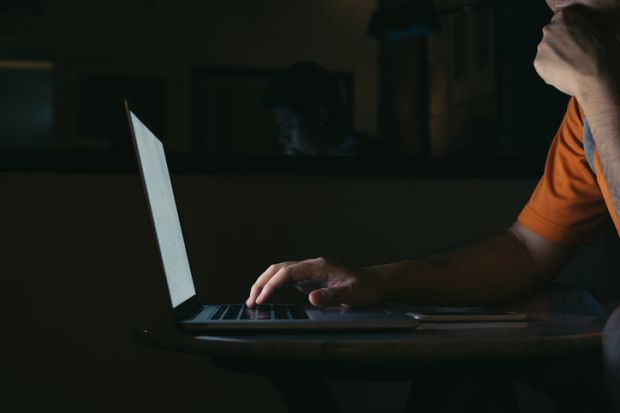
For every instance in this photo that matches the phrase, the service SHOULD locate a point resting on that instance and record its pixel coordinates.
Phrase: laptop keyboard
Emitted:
(260, 312)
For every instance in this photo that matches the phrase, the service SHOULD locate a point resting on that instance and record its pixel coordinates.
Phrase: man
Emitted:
(312, 115)
(309, 110)
(580, 189)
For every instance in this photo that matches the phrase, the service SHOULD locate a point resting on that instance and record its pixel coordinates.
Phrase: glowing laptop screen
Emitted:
(163, 208)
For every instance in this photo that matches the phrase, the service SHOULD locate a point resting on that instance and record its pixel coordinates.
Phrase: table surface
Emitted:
(543, 336)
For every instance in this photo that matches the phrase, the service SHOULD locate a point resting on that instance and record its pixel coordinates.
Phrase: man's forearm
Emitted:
(495, 270)
(601, 104)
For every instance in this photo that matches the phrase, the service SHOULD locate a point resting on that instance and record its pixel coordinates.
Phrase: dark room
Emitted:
(310, 205)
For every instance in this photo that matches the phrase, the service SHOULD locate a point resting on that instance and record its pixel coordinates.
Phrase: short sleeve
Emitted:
(567, 206)
(605, 190)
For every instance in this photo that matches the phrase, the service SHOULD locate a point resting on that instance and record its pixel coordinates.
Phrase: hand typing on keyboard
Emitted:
(332, 283)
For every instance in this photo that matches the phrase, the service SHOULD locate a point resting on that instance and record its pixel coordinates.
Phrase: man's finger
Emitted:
(257, 287)
(575, 16)
(325, 297)
(258, 284)
(314, 270)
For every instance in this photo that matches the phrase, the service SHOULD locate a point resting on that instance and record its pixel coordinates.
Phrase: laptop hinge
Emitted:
(187, 309)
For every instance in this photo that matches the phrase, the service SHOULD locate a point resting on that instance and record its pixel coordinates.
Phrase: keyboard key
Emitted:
(297, 312)
(262, 315)
(280, 312)
(218, 313)
(232, 313)
(261, 312)
(247, 314)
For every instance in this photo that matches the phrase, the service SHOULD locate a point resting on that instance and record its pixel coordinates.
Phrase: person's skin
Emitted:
(298, 137)
(579, 56)
(496, 270)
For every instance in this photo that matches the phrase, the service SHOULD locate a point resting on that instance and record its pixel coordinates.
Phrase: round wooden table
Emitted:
(542, 336)
(546, 342)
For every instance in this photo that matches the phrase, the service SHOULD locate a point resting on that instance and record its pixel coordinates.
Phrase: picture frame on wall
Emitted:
(27, 99)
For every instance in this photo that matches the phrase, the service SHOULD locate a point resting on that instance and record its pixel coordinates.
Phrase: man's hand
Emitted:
(581, 61)
(575, 57)
(326, 283)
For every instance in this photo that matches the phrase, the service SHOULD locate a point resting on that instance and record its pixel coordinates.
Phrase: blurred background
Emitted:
(422, 79)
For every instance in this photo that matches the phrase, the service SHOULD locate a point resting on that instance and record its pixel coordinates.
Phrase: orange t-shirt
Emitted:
(570, 204)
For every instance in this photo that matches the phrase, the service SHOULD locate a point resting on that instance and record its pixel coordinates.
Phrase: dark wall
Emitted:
(530, 109)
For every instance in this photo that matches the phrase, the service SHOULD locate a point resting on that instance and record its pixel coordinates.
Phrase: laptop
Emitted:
(189, 313)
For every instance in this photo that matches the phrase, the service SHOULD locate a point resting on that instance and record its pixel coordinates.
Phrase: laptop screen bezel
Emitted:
(192, 305)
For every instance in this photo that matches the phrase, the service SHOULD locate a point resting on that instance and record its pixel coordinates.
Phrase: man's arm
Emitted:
(578, 59)
(498, 269)
(601, 104)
